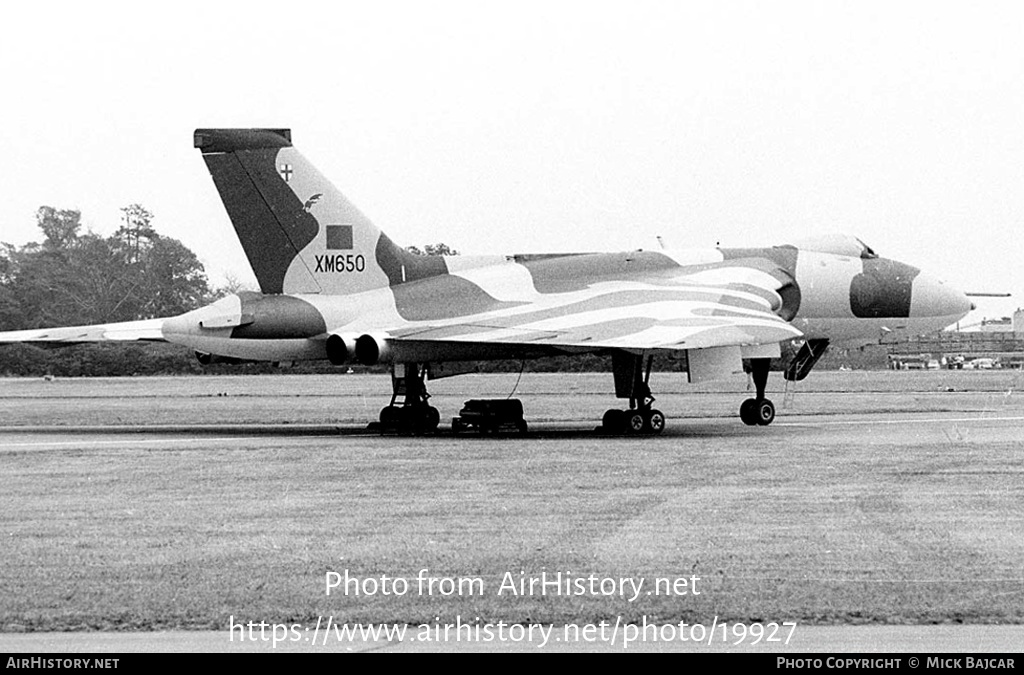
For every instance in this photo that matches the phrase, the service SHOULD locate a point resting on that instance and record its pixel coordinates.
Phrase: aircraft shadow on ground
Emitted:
(537, 431)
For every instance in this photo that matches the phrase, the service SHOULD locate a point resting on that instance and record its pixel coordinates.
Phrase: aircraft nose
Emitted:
(933, 297)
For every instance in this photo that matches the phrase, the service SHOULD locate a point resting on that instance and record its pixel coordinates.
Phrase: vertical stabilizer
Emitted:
(300, 233)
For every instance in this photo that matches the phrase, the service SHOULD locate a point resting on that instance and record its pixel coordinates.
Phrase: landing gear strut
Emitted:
(413, 415)
(631, 381)
(759, 410)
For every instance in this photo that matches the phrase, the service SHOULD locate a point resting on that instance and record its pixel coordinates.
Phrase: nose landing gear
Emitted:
(758, 411)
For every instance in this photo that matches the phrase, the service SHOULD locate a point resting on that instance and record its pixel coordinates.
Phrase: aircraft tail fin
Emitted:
(300, 234)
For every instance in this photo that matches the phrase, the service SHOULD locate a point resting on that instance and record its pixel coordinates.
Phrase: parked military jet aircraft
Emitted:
(335, 287)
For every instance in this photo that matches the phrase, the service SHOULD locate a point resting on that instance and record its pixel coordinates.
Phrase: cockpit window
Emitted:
(837, 244)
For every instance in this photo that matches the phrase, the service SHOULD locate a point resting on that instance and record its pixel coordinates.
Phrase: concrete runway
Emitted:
(912, 516)
(991, 425)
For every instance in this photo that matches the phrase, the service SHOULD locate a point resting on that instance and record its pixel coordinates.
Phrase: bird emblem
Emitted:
(312, 200)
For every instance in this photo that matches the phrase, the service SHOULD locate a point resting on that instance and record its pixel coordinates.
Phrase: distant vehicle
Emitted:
(932, 365)
(982, 364)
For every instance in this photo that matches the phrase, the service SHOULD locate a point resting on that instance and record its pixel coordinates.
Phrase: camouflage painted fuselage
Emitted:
(513, 307)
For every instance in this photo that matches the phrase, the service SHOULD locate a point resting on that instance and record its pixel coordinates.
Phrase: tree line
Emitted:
(73, 277)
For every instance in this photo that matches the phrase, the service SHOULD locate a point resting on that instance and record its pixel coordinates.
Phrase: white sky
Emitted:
(542, 126)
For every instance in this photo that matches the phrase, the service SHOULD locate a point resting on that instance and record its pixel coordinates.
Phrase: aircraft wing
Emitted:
(148, 330)
(729, 305)
(637, 328)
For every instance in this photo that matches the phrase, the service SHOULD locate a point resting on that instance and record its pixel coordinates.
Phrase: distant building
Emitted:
(1006, 324)
(1003, 325)
(997, 343)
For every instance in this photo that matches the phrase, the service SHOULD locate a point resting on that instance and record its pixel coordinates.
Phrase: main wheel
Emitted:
(765, 411)
(431, 418)
(390, 416)
(748, 413)
(614, 421)
(635, 422)
(654, 422)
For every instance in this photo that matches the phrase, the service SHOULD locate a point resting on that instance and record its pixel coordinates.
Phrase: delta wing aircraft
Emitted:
(334, 287)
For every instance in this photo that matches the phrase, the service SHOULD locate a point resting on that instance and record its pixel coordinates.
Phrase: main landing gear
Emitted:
(633, 421)
(631, 381)
(759, 410)
(413, 415)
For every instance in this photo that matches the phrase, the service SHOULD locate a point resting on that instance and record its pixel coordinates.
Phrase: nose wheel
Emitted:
(756, 412)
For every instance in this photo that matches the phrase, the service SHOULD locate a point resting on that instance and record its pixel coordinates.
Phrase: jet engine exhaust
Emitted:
(341, 349)
(372, 349)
